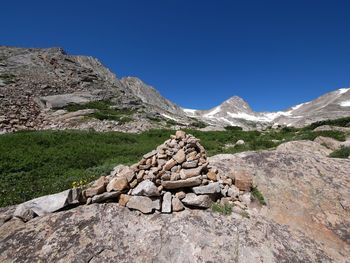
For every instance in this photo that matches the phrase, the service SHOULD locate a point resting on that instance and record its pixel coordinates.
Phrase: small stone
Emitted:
(180, 156)
(88, 201)
(228, 181)
(117, 184)
(166, 204)
(166, 177)
(190, 164)
(123, 199)
(177, 204)
(233, 191)
(245, 198)
(174, 176)
(211, 176)
(180, 195)
(144, 204)
(180, 135)
(150, 154)
(146, 188)
(240, 142)
(203, 201)
(140, 174)
(169, 164)
(128, 173)
(175, 169)
(98, 187)
(133, 183)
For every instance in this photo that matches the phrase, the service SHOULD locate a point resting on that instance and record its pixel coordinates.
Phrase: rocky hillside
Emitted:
(306, 219)
(37, 84)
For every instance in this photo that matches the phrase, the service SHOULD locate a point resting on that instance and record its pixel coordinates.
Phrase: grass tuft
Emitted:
(343, 152)
(225, 209)
(256, 194)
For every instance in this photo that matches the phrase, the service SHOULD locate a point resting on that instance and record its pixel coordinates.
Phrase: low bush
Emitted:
(343, 152)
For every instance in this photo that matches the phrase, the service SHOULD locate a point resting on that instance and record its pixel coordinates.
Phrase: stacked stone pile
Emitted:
(174, 176)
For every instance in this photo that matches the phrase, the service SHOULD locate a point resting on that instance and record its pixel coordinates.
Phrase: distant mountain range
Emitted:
(37, 86)
(235, 110)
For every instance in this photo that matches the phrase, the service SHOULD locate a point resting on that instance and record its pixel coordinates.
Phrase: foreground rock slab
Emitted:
(110, 233)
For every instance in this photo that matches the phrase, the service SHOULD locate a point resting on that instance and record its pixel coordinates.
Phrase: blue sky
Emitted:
(274, 54)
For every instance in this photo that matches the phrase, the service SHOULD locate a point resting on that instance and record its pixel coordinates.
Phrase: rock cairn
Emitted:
(174, 176)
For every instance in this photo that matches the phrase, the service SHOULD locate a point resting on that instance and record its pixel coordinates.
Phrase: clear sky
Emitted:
(274, 54)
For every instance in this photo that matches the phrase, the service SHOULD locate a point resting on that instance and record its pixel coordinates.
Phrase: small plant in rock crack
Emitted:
(256, 194)
(225, 209)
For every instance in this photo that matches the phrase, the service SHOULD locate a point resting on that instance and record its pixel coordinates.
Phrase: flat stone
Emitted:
(117, 184)
(212, 188)
(150, 154)
(190, 164)
(128, 173)
(166, 204)
(177, 205)
(245, 198)
(180, 156)
(203, 201)
(105, 197)
(187, 173)
(144, 204)
(98, 187)
(169, 164)
(47, 204)
(146, 188)
(194, 181)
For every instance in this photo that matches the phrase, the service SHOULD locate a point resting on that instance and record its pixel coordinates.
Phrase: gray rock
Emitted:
(105, 197)
(166, 204)
(47, 204)
(146, 188)
(180, 156)
(177, 204)
(202, 201)
(190, 164)
(187, 173)
(194, 181)
(150, 154)
(212, 188)
(245, 198)
(233, 191)
(144, 204)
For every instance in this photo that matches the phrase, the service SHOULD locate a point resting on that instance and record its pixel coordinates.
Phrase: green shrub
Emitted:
(225, 209)
(104, 111)
(198, 124)
(233, 128)
(8, 78)
(341, 122)
(256, 194)
(343, 152)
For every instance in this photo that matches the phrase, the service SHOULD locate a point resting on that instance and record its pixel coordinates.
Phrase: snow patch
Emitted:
(190, 111)
(213, 112)
(169, 117)
(342, 91)
(345, 103)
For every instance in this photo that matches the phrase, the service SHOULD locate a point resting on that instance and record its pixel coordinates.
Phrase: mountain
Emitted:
(236, 112)
(46, 88)
(37, 85)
